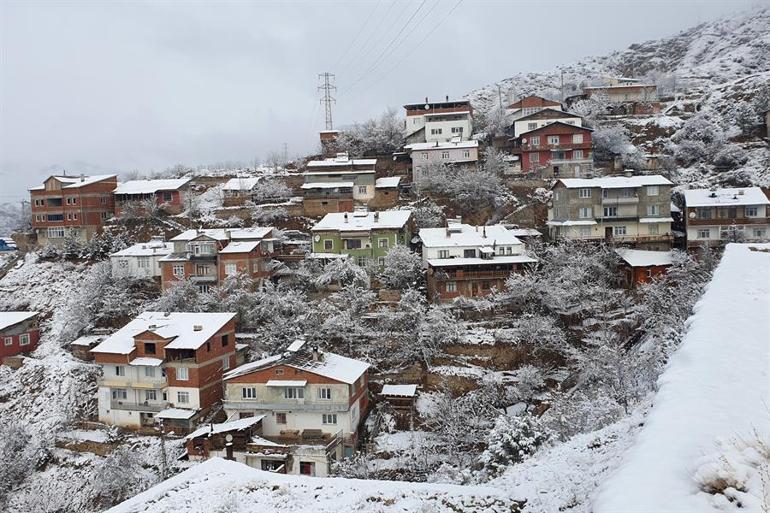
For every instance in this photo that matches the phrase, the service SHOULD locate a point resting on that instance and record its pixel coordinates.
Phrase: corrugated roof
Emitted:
(355, 221)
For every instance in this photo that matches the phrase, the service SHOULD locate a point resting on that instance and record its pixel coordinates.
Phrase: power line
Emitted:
(355, 38)
(327, 87)
(365, 49)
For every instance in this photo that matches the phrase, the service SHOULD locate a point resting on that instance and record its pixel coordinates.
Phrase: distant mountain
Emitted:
(11, 218)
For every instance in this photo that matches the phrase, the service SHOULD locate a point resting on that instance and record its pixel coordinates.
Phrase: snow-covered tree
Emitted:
(373, 137)
(343, 271)
(402, 268)
(744, 116)
(180, 296)
(730, 157)
(121, 476)
(510, 441)
(271, 189)
(22, 452)
(611, 141)
(494, 161)
(428, 215)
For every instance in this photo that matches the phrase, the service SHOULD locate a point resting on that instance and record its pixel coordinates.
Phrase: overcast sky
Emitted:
(115, 87)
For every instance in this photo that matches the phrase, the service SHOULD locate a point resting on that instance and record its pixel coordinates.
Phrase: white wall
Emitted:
(128, 267)
(519, 127)
(446, 129)
(459, 251)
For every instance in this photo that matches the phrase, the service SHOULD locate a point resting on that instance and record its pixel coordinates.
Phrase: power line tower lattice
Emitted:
(327, 86)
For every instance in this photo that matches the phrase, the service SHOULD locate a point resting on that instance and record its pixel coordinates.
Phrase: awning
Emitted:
(286, 383)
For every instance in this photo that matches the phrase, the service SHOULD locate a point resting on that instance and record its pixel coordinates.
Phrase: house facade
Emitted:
(714, 217)
(141, 260)
(470, 261)
(208, 256)
(438, 121)
(169, 194)
(164, 366)
(337, 184)
(543, 118)
(311, 400)
(556, 150)
(627, 209)
(455, 153)
(530, 105)
(71, 206)
(19, 333)
(362, 235)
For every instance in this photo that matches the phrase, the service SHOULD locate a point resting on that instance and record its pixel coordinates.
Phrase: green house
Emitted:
(362, 235)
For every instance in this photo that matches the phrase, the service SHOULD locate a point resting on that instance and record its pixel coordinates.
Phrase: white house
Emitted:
(458, 240)
(543, 118)
(458, 153)
(726, 215)
(438, 121)
(141, 260)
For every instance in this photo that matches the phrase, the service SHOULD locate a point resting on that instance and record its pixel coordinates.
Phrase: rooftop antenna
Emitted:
(327, 87)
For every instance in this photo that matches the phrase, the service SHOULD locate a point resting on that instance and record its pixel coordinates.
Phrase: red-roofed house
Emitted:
(556, 150)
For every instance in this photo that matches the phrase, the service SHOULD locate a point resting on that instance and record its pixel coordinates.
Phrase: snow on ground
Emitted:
(713, 398)
(240, 488)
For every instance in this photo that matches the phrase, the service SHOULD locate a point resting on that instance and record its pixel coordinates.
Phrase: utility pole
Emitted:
(500, 99)
(562, 86)
(327, 87)
(285, 153)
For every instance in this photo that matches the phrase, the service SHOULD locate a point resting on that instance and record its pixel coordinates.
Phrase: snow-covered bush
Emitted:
(343, 271)
(698, 140)
(611, 141)
(428, 215)
(121, 476)
(402, 268)
(180, 296)
(730, 157)
(373, 137)
(743, 115)
(22, 452)
(510, 441)
(471, 191)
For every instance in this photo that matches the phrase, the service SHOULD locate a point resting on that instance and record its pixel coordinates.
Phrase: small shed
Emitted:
(402, 398)
(643, 266)
(223, 439)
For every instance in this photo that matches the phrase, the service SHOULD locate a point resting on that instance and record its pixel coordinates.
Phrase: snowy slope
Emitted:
(240, 488)
(711, 415)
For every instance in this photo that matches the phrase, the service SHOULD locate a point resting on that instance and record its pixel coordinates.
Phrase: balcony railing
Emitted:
(123, 382)
(203, 278)
(472, 275)
(620, 200)
(134, 406)
(288, 405)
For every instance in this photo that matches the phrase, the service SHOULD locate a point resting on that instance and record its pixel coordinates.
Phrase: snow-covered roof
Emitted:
(615, 182)
(286, 383)
(87, 340)
(339, 162)
(643, 258)
(551, 125)
(252, 366)
(74, 182)
(244, 246)
(390, 181)
(649, 220)
(145, 249)
(363, 221)
(8, 319)
(399, 390)
(525, 232)
(465, 235)
(176, 413)
(226, 427)
(330, 365)
(252, 233)
(241, 184)
(435, 114)
(146, 362)
(500, 259)
(447, 145)
(711, 402)
(725, 197)
(150, 186)
(179, 326)
(326, 185)
(586, 222)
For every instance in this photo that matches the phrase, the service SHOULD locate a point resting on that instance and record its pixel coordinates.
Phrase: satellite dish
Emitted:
(317, 238)
(692, 215)
(229, 437)
(427, 106)
(524, 140)
(550, 204)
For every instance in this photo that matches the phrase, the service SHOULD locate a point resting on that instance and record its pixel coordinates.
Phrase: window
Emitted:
(56, 233)
(653, 190)
(226, 363)
(249, 392)
(325, 393)
(553, 139)
(653, 229)
(584, 192)
(704, 233)
(584, 213)
(425, 155)
(467, 154)
(352, 243)
(704, 213)
(307, 468)
(183, 397)
(183, 374)
(577, 138)
(381, 261)
(149, 347)
(272, 465)
(610, 211)
(167, 196)
(534, 157)
(255, 267)
(585, 231)
(751, 211)
(469, 253)
(382, 243)
(149, 372)
(362, 189)
(360, 261)
(143, 262)
(328, 244)
(457, 130)
(293, 393)
(201, 270)
(619, 230)
(280, 418)
(531, 126)
(759, 233)
(653, 210)
(443, 253)
(577, 154)
(451, 286)
(24, 339)
(435, 131)
(501, 250)
(231, 269)
(329, 418)
(444, 154)
(8, 341)
(104, 215)
(150, 395)
(120, 370)
(225, 340)
(178, 270)
(104, 200)
(627, 193)
(119, 394)
(534, 141)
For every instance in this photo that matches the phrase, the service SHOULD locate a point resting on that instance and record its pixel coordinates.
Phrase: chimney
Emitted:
(346, 217)
(426, 100)
(447, 97)
(316, 354)
(198, 327)
(485, 232)
(82, 177)
(229, 234)
(376, 217)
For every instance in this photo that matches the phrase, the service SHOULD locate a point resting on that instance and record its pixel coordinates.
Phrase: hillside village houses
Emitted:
(208, 256)
(530, 105)
(164, 366)
(557, 149)
(361, 234)
(142, 260)
(19, 333)
(716, 216)
(629, 209)
(470, 261)
(311, 400)
(457, 153)
(71, 207)
(171, 194)
(542, 118)
(238, 190)
(337, 184)
(438, 121)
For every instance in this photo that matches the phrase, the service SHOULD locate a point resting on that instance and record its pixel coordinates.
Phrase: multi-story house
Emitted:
(337, 184)
(141, 260)
(627, 209)
(19, 333)
(716, 216)
(71, 206)
(626, 96)
(362, 235)
(530, 105)
(208, 256)
(438, 121)
(455, 153)
(470, 261)
(542, 118)
(169, 194)
(557, 149)
(164, 366)
(309, 399)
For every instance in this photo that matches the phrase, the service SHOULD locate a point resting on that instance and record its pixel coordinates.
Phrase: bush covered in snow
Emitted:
(373, 137)
(512, 439)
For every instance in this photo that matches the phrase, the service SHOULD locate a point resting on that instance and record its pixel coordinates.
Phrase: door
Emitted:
(307, 468)
(608, 232)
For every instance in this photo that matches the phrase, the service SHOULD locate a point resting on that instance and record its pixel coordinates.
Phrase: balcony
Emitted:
(287, 406)
(472, 275)
(629, 200)
(203, 278)
(121, 382)
(146, 406)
